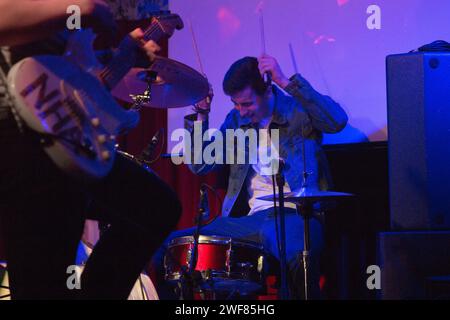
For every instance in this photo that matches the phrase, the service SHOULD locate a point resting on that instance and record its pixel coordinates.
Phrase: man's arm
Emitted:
(201, 118)
(24, 21)
(326, 115)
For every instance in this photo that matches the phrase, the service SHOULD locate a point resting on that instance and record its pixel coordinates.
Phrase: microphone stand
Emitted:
(198, 222)
(192, 278)
(280, 180)
(305, 210)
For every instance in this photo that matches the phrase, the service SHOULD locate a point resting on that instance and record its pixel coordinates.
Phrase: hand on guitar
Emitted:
(268, 64)
(150, 47)
(102, 21)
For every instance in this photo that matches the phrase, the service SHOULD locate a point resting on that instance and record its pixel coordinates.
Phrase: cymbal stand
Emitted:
(305, 210)
(192, 278)
(139, 99)
(283, 265)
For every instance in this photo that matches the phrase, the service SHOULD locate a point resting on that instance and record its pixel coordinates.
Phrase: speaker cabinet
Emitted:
(413, 264)
(418, 96)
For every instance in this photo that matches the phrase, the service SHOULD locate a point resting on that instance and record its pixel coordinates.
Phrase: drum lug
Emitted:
(188, 256)
(260, 267)
(228, 262)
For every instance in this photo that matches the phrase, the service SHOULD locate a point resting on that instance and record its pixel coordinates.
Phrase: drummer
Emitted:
(303, 114)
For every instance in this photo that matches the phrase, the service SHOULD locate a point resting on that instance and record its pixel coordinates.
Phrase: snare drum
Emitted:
(226, 264)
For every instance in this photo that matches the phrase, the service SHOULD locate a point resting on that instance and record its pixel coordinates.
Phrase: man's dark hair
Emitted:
(244, 73)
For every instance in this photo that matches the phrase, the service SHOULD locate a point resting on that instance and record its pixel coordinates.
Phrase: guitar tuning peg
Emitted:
(106, 155)
(95, 122)
(101, 138)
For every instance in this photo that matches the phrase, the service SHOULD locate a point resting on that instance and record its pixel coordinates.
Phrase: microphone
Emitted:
(203, 204)
(150, 148)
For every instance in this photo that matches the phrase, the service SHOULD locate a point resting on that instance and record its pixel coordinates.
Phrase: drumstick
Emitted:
(261, 29)
(197, 53)
(294, 62)
(268, 77)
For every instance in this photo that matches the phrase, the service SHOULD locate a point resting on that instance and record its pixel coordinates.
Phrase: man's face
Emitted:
(250, 105)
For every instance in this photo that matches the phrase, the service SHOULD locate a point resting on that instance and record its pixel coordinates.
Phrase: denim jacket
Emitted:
(303, 114)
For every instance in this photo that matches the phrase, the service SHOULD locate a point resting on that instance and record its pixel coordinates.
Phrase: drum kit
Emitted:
(224, 267)
(215, 266)
(228, 268)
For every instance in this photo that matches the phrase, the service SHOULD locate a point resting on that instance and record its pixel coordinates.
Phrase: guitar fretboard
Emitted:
(126, 55)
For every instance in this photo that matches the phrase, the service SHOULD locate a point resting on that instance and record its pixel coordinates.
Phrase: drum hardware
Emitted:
(144, 158)
(280, 181)
(147, 154)
(168, 83)
(229, 256)
(209, 280)
(203, 209)
(191, 279)
(129, 156)
(225, 265)
(260, 266)
(304, 199)
(189, 282)
(149, 77)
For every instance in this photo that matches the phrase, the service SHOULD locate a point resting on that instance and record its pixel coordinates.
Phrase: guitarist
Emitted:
(42, 211)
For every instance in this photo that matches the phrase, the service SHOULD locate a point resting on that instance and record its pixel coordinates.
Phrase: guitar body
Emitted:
(62, 98)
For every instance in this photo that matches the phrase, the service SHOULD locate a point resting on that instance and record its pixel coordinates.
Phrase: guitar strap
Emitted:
(5, 99)
(6, 102)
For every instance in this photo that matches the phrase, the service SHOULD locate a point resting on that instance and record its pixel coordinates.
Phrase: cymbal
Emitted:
(176, 85)
(302, 195)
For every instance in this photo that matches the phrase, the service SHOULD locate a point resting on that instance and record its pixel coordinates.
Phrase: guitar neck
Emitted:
(126, 55)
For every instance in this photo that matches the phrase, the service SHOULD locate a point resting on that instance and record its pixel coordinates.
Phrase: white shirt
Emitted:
(260, 184)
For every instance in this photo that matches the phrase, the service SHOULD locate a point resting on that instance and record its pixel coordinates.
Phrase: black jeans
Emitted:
(42, 213)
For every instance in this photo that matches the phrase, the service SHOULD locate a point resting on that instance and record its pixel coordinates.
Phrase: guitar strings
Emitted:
(106, 72)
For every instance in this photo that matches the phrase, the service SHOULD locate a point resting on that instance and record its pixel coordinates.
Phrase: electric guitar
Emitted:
(66, 99)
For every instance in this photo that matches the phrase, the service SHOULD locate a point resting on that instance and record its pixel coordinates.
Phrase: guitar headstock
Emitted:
(168, 22)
